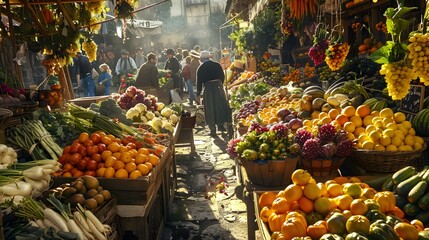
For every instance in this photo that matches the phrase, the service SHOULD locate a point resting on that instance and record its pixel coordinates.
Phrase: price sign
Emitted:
(413, 102)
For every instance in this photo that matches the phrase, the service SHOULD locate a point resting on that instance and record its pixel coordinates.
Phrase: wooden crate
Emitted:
(106, 213)
(129, 191)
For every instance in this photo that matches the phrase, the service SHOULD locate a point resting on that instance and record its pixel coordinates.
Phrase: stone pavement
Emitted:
(208, 202)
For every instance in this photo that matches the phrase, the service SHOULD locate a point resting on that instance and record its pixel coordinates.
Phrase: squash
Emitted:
(317, 230)
(295, 214)
(406, 231)
(333, 101)
(280, 205)
(358, 223)
(336, 224)
(318, 103)
(386, 200)
(275, 221)
(265, 213)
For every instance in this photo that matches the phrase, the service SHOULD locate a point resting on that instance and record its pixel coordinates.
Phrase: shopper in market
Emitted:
(186, 73)
(125, 63)
(173, 65)
(195, 63)
(105, 78)
(147, 76)
(140, 58)
(216, 108)
(84, 77)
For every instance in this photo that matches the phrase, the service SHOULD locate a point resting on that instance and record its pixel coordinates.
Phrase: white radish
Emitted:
(91, 217)
(107, 229)
(97, 234)
(73, 227)
(56, 218)
(37, 185)
(87, 233)
(35, 173)
(40, 223)
(20, 188)
(80, 219)
(34, 224)
(49, 224)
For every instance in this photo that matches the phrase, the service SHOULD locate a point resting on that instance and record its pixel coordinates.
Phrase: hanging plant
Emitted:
(317, 52)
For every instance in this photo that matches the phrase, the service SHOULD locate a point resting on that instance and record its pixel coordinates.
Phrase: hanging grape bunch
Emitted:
(398, 77)
(337, 51)
(419, 56)
(318, 50)
(90, 48)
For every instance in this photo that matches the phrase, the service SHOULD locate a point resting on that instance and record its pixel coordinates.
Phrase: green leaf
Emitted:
(390, 25)
(381, 56)
(390, 12)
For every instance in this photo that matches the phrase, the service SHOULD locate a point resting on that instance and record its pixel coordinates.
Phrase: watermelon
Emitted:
(421, 123)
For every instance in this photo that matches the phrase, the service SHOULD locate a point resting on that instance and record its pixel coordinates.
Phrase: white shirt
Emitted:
(125, 66)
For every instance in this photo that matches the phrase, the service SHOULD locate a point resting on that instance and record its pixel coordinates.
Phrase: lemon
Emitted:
(325, 120)
(367, 120)
(408, 148)
(389, 133)
(397, 141)
(392, 126)
(399, 117)
(356, 120)
(349, 127)
(379, 147)
(407, 124)
(400, 134)
(379, 124)
(391, 148)
(402, 128)
(370, 128)
(368, 145)
(375, 135)
(375, 119)
(351, 136)
(307, 123)
(358, 145)
(385, 140)
(387, 121)
(402, 149)
(409, 140)
(419, 140)
(387, 112)
(358, 131)
(412, 132)
(362, 138)
(417, 146)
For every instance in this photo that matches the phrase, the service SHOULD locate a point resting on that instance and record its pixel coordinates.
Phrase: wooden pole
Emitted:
(69, 82)
(63, 83)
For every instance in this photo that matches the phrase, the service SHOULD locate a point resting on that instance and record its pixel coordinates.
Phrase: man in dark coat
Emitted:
(174, 68)
(83, 70)
(216, 108)
(147, 76)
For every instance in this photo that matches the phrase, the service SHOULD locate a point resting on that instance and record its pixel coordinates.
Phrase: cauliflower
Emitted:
(174, 119)
(166, 112)
(132, 113)
(159, 106)
(156, 123)
(141, 107)
(167, 126)
(150, 115)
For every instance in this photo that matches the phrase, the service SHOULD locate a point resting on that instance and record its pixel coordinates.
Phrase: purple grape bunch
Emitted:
(248, 109)
(317, 52)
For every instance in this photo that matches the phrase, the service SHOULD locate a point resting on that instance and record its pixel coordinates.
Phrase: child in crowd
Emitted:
(186, 74)
(105, 78)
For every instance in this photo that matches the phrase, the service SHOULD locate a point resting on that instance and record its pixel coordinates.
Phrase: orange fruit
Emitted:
(110, 161)
(306, 205)
(273, 120)
(333, 113)
(118, 165)
(106, 140)
(342, 119)
(358, 207)
(300, 177)
(144, 151)
(67, 174)
(100, 172)
(153, 159)
(322, 115)
(375, 113)
(105, 154)
(122, 149)
(118, 140)
(126, 157)
(341, 180)
(140, 158)
(135, 174)
(111, 137)
(117, 155)
(83, 137)
(349, 111)
(109, 173)
(323, 205)
(363, 111)
(130, 167)
(280, 205)
(266, 199)
(343, 202)
(149, 165)
(143, 168)
(121, 173)
(101, 134)
(312, 191)
(133, 152)
(335, 190)
(357, 121)
(293, 193)
(113, 147)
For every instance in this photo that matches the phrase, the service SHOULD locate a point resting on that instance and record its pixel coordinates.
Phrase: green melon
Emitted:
(421, 123)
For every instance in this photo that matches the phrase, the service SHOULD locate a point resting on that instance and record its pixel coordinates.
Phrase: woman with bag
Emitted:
(104, 80)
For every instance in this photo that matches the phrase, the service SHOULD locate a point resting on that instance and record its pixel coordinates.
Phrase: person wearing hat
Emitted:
(217, 112)
(147, 76)
(195, 63)
(140, 58)
(173, 66)
(125, 63)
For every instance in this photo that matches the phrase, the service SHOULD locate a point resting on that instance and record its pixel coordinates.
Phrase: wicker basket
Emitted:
(377, 161)
(321, 167)
(271, 173)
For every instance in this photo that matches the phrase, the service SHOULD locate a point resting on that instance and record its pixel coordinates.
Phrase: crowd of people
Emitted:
(193, 71)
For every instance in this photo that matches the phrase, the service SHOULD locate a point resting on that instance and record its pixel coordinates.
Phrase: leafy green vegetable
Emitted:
(110, 108)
